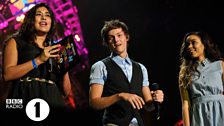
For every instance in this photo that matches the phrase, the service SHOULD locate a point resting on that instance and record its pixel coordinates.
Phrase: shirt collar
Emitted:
(205, 62)
(117, 58)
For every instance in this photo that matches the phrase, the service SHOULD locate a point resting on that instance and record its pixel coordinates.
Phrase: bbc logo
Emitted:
(14, 101)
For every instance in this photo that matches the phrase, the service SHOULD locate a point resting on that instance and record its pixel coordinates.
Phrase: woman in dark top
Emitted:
(26, 60)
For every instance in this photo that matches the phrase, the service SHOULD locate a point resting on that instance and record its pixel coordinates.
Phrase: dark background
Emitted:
(156, 30)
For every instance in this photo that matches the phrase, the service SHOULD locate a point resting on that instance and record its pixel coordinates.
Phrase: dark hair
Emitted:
(189, 64)
(27, 30)
(110, 25)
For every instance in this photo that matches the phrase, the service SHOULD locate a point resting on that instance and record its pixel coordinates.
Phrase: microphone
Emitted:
(154, 87)
(50, 59)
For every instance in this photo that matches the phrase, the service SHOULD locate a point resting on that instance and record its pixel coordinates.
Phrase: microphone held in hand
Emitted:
(154, 87)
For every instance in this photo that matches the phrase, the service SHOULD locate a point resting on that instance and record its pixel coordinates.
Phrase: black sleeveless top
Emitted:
(29, 51)
(27, 90)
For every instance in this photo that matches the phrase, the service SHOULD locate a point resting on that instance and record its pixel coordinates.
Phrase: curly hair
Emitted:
(188, 64)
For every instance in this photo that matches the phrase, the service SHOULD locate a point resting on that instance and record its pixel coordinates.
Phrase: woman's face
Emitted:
(42, 21)
(196, 47)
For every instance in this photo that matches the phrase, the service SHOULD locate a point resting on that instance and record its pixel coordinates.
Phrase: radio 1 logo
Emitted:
(14, 103)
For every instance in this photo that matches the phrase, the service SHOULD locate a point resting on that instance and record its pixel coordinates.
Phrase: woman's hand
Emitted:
(48, 52)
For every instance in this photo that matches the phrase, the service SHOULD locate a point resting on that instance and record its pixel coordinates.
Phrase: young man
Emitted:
(117, 83)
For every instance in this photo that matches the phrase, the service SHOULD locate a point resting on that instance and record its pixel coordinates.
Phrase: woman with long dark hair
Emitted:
(201, 80)
(26, 60)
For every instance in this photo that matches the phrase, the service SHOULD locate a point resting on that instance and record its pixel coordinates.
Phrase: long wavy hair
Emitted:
(27, 30)
(188, 64)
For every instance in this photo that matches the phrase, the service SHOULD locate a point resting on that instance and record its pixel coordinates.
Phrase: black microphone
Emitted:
(50, 59)
(154, 87)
